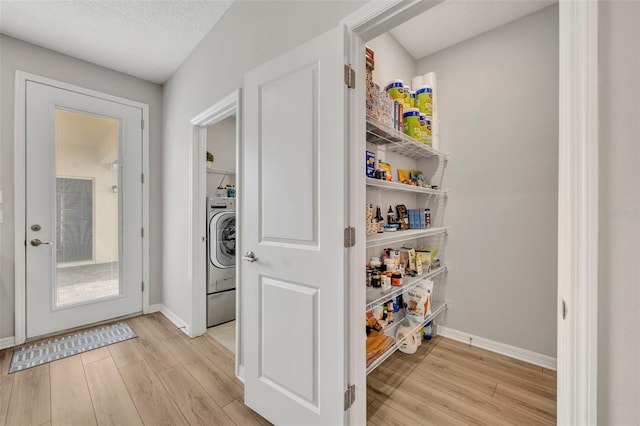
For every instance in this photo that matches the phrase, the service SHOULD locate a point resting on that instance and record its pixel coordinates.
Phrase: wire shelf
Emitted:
(212, 171)
(377, 296)
(378, 240)
(398, 142)
(397, 186)
(438, 308)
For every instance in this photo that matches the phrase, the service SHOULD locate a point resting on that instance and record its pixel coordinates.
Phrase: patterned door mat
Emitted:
(62, 347)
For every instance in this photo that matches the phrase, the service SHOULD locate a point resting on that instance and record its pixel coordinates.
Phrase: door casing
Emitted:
(577, 356)
(20, 195)
(226, 107)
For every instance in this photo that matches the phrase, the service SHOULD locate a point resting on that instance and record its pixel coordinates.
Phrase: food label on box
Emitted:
(371, 164)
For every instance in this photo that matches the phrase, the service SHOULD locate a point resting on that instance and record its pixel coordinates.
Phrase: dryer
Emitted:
(221, 260)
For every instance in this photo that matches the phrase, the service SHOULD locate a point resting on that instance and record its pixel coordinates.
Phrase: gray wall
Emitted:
(249, 34)
(221, 142)
(498, 103)
(18, 55)
(619, 268)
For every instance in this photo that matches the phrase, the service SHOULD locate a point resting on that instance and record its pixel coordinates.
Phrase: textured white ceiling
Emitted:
(147, 39)
(453, 21)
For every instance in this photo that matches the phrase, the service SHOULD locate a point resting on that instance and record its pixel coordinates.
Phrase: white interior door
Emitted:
(293, 220)
(83, 209)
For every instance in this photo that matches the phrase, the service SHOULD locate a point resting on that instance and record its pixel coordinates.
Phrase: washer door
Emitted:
(222, 240)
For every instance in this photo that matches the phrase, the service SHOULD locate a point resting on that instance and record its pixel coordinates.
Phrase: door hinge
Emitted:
(349, 77)
(142, 124)
(142, 177)
(564, 309)
(349, 236)
(142, 232)
(142, 285)
(349, 397)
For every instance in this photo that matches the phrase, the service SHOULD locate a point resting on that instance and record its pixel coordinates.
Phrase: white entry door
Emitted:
(83, 209)
(293, 220)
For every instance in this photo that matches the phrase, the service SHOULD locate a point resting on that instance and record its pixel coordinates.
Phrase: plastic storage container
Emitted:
(411, 119)
(424, 99)
(395, 89)
(427, 331)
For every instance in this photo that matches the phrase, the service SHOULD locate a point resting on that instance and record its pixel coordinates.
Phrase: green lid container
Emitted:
(395, 89)
(424, 99)
(411, 119)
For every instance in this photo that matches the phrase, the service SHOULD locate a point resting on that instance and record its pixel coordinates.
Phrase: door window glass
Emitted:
(87, 208)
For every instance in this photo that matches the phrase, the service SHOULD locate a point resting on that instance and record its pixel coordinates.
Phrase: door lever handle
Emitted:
(37, 243)
(250, 257)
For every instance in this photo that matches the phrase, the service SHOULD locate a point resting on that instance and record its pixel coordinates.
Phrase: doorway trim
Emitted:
(578, 207)
(226, 107)
(20, 284)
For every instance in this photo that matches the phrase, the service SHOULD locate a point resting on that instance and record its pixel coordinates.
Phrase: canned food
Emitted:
(424, 100)
(411, 119)
(395, 89)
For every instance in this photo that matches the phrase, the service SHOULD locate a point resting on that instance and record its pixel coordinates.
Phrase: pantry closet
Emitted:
(492, 173)
(484, 175)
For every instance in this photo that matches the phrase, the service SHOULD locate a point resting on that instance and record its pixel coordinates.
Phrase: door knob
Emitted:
(37, 243)
(250, 257)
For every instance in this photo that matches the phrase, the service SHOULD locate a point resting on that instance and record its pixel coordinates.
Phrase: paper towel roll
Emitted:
(416, 82)
(429, 79)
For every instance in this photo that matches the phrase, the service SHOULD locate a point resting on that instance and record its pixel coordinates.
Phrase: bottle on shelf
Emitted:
(379, 220)
(372, 225)
(427, 331)
(427, 217)
(390, 217)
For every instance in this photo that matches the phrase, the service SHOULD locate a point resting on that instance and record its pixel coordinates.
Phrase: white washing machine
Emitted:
(221, 260)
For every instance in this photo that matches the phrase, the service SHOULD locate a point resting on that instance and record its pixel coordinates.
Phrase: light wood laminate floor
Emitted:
(450, 383)
(165, 378)
(160, 378)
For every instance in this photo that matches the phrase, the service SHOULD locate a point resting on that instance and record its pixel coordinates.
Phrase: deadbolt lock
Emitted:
(36, 227)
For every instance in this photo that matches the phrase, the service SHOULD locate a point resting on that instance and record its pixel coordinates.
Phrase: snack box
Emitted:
(371, 164)
(425, 257)
(386, 167)
(407, 256)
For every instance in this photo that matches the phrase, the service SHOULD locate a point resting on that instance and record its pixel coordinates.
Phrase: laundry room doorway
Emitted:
(215, 282)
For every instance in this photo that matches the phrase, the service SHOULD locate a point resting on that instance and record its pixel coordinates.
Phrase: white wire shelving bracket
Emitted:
(398, 142)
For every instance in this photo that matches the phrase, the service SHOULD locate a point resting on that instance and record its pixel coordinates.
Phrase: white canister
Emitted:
(408, 338)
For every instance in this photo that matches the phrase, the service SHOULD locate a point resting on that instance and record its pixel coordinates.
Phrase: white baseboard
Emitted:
(526, 355)
(240, 375)
(175, 319)
(7, 342)
(156, 308)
